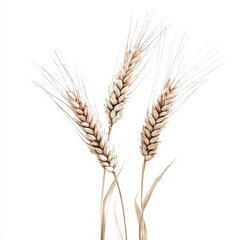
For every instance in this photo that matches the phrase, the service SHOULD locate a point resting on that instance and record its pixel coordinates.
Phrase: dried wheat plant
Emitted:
(179, 83)
(72, 100)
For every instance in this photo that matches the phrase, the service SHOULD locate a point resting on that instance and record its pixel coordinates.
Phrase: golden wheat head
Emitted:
(74, 104)
(156, 121)
(93, 133)
(119, 90)
(179, 85)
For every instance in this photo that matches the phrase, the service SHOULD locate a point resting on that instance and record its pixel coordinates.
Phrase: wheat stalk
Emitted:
(178, 86)
(86, 122)
(155, 122)
(97, 141)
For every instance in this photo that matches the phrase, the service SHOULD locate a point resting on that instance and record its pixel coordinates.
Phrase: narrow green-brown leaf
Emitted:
(117, 224)
(107, 199)
(138, 212)
(147, 198)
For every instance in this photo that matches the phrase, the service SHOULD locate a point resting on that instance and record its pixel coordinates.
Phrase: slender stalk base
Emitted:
(120, 194)
(142, 180)
(103, 183)
(102, 197)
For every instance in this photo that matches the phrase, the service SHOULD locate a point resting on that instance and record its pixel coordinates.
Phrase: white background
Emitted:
(50, 183)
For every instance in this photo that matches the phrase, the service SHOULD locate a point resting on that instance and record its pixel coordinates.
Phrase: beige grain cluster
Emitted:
(156, 120)
(91, 127)
(119, 90)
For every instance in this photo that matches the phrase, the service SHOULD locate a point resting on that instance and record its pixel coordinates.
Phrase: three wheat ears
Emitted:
(72, 99)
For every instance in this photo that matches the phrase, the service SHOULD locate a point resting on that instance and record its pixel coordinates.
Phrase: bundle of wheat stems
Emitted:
(177, 87)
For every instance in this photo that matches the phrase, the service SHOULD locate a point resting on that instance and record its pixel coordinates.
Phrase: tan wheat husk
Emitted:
(156, 121)
(97, 140)
(119, 90)
(88, 125)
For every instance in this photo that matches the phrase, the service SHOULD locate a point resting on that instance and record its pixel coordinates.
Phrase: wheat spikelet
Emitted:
(97, 141)
(156, 120)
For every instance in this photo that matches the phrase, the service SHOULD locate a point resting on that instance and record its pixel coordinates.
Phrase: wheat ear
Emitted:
(90, 125)
(156, 120)
(119, 90)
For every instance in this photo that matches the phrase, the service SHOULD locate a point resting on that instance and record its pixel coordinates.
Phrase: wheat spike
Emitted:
(88, 125)
(95, 137)
(156, 120)
(119, 89)
(179, 84)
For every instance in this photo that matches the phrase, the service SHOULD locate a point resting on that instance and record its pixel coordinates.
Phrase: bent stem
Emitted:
(142, 181)
(103, 182)
(102, 196)
(120, 195)
(143, 171)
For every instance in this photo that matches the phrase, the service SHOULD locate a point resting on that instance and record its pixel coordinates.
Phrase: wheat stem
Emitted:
(102, 197)
(120, 195)
(103, 180)
(142, 180)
